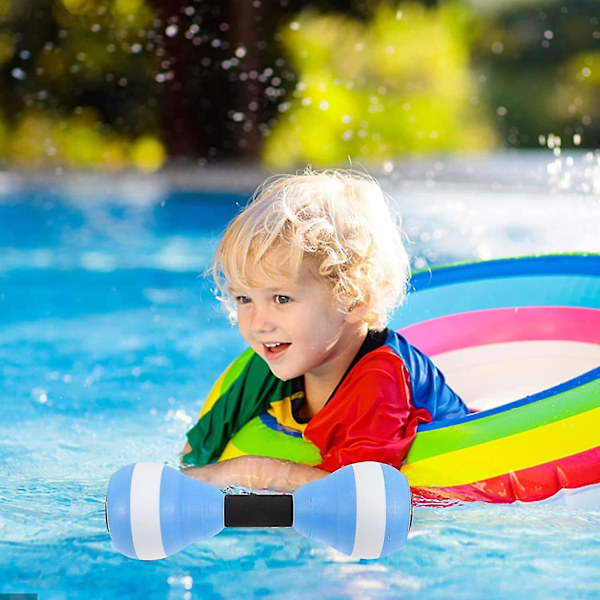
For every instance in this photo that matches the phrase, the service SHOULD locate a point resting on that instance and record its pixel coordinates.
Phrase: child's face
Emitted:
(293, 324)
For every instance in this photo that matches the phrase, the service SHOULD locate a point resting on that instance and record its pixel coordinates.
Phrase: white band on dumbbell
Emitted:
(370, 510)
(144, 511)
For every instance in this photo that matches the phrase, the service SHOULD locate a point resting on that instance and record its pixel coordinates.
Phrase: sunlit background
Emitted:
(114, 85)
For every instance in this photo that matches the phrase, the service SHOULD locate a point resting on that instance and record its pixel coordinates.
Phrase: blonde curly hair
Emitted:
(339, 218)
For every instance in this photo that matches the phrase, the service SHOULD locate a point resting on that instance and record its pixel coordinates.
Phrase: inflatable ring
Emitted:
(519, 340)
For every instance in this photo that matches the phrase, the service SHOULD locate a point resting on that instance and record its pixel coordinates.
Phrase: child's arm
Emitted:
(257, 472)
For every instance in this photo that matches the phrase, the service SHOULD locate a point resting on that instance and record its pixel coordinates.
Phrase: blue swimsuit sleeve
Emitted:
(428, 384)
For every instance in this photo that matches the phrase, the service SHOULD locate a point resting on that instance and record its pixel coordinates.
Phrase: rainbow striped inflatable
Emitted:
(519, 340)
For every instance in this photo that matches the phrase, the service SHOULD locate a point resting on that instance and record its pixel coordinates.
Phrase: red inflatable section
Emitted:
(528, 485)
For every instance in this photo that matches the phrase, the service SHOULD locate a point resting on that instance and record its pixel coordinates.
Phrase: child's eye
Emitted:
(242, 299)
(279, 299)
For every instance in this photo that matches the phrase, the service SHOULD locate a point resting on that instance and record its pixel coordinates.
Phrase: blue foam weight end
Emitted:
(362, 510)
(118, 512)
(154, 511)
(398, 510)
(190, 510)
(325, 510)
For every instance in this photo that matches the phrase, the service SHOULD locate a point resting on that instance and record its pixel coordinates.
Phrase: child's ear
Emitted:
(357, 312)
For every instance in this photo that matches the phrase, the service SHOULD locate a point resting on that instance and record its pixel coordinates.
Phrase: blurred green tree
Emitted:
(76, 85)
(398, 83)
(540, 64)
(113, 84)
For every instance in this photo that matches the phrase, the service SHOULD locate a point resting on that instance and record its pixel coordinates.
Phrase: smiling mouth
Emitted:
(276, 348)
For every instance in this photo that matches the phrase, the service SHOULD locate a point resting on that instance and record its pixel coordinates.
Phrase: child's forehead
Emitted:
(268, 276)
(274, 271)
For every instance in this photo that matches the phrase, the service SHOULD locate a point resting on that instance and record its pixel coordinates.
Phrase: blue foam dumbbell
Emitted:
(363, 510)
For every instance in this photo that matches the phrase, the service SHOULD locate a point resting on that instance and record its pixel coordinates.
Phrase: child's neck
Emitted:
(318, 386)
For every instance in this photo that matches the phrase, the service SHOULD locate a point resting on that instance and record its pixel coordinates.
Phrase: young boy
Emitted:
(311, 271)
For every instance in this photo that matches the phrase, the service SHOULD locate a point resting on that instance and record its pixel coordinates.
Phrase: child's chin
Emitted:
(280, 374)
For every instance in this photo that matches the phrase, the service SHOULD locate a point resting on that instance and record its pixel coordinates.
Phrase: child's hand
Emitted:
(257, 472)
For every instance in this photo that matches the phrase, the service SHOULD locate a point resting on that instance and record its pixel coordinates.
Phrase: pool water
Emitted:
(110, 339)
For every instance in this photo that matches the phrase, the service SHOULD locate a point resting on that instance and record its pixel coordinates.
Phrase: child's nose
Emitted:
(261, 321)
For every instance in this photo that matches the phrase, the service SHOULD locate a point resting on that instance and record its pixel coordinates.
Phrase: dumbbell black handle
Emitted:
(259, 510)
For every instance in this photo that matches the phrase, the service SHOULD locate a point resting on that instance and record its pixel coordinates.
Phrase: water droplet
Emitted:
(172, 30)
(554, 141)
(162, 77)
(549, 34)
(294, 25)
(577, 139)
(501, 111)
(240, 52)
(18, 74)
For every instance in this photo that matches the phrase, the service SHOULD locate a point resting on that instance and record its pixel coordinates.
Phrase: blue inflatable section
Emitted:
(570, 280)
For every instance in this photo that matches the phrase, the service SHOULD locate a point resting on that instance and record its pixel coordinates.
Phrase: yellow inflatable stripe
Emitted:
(512, 453)
(231, 452)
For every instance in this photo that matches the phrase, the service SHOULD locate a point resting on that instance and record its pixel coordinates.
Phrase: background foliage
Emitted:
(116, 84)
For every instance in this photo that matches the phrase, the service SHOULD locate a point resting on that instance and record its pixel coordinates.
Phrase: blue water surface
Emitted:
(109, 341)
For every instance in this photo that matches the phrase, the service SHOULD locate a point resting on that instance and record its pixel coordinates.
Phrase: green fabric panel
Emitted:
(469, 433)
(236, 369)
(245, 398)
